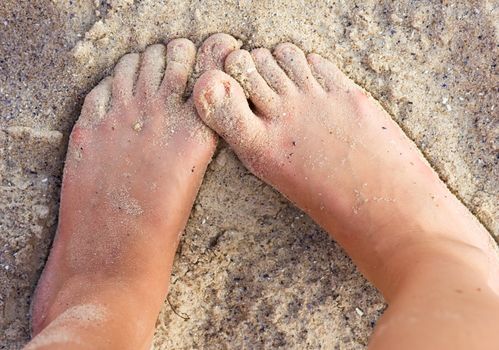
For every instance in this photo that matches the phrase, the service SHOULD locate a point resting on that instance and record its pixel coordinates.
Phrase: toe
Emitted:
(222, 105)
(328, 75)
(96, 104)
(151, 71)
(124, 76)
(293, 61)
(214, 50)
(180, 56)
(271, 71)
(239, 64)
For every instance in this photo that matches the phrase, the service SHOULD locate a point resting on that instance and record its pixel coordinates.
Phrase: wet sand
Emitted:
(251, 271)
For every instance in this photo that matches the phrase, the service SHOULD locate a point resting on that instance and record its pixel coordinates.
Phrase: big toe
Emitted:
(222, 105)
(214, 50)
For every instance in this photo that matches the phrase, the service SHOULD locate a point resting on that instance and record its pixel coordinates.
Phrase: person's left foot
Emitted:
(136, 159)
(318, 138)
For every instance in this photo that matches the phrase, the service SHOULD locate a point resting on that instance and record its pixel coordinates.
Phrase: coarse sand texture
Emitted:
(251, 270)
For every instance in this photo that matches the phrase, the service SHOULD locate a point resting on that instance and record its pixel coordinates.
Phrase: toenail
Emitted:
(286, 51)
(178, 53)
(218, 92)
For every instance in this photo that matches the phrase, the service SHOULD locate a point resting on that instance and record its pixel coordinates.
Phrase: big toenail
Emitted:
(215, 93)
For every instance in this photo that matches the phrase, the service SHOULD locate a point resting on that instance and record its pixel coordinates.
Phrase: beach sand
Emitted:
(251, 271)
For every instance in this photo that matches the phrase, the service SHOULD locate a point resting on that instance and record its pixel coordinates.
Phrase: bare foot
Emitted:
(136, 159)
(329, 147)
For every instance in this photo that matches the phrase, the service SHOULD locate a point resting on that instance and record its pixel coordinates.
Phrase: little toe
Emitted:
(124, 76)
(214, 50)
(96, 104)
(239, 64)
(151, 70)
(271, 71)
(328, 75)
(180, 56)
(294, 62)
(222, 105)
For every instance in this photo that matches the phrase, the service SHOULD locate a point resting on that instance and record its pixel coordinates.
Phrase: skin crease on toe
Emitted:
(323, 142)
(136, 159)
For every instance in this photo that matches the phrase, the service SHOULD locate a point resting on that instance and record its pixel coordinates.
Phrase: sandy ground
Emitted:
(252, 271)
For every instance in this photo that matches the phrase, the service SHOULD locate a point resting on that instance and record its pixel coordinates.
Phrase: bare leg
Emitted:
(329, 147)
(135, 162)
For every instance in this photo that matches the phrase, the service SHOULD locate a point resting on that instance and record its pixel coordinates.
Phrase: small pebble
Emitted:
(359, 312)
(137, 126)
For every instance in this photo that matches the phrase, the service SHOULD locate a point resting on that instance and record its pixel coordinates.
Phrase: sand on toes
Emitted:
(328, 146)
(135, 161)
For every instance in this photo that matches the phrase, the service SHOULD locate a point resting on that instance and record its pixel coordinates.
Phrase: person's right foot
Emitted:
(327, 145)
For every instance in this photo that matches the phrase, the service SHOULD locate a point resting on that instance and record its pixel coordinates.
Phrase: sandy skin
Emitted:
(329, 147)
(313, 135)
(136, 158)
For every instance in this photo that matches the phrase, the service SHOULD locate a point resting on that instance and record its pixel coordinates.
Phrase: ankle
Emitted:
(438, 260)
